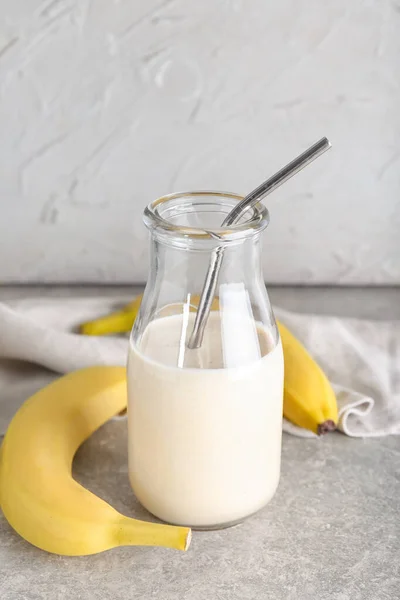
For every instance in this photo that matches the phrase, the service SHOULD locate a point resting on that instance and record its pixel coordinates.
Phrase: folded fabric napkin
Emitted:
(361, 358)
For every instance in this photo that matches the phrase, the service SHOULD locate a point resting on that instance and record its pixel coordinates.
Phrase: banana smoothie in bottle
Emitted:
(204, 424)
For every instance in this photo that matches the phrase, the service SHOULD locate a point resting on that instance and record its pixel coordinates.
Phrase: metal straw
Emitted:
(249, 201)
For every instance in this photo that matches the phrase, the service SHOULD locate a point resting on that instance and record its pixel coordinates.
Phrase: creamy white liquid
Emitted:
(204, 441)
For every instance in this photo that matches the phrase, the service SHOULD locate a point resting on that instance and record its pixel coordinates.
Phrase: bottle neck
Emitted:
(186, 267)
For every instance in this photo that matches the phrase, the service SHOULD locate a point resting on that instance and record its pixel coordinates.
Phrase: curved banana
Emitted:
(120, 321)
(38, 495)
(308, 400)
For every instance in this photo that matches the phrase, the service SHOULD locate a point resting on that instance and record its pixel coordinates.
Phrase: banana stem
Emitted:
(132, 532)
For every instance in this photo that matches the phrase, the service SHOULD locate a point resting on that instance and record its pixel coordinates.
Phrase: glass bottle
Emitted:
(204, 424)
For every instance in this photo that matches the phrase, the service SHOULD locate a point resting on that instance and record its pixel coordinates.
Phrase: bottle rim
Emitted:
(158, 213)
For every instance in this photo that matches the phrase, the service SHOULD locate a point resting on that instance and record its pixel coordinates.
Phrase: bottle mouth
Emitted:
(198, 216)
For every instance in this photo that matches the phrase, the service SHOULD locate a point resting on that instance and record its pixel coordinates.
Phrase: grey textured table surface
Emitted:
(331, 532)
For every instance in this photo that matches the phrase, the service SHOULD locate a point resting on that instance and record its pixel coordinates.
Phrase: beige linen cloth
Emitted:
(361, 358)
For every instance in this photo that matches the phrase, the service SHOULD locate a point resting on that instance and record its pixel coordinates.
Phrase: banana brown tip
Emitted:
(325, 427)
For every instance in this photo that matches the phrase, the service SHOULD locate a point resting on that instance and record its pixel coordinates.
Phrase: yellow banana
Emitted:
(120, 321)
(38, 495)
(309, 400)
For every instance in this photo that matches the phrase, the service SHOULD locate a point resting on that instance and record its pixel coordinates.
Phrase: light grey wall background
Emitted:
(105, 105)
